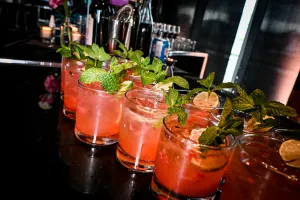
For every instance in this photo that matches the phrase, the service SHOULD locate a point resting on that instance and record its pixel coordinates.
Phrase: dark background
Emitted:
(270, 59)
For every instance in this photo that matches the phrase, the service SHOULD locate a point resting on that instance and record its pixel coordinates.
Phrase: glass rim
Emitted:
(143, 90)
(82, 85)
(189, 141)
(80, 66)
(262, 163)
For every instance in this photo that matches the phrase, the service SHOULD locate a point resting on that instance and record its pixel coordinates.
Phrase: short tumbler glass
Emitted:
(73, 70)
(257, 171)
(98, 115)
(184, 169)
(140, 128)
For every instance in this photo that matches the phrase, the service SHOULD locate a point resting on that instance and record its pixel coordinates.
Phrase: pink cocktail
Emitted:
(140, 128)
(185, 169)
(73, 70)
(98, 114)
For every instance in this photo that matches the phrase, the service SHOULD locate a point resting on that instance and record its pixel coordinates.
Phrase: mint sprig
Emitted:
(257, 105)
(95, 55)
(208, 82)
(72, 51)
(123, 53)
(175, 101)
(215, 135)
(178, 80)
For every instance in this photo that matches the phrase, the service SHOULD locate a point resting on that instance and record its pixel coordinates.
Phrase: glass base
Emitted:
(160, 192)
(71, 114)
(132, 163)
(98, 141)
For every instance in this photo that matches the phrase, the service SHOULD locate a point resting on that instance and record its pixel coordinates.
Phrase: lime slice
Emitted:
(290, 150)
(161, 85)
(210, 163)
(204, 101)
(126, 85)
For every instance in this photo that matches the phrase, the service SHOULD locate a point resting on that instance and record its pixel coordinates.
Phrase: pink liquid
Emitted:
(98, 113)
(72, 75)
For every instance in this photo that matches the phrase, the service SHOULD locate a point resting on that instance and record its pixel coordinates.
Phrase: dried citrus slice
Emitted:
(290, 150)
(210, 163)
(203, 100)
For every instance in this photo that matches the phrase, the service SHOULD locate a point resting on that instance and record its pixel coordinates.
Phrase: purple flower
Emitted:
(51, 84)
(55, 3)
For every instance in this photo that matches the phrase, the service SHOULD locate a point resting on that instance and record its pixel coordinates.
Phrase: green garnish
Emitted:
(109, 82)
(178, 80)
(95, 55)
(122, 53)
(175, 101)
(257, 105)
(208, 81)
(215, 135)
(91, 75)
(112, 80)
(72, 51)
(150, 72)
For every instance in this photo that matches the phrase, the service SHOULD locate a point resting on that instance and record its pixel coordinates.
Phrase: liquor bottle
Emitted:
(99, 12)
(145, 29)
(136, 23)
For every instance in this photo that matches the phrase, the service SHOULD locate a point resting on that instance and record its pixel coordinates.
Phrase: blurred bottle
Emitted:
(135, 23)
(99, 12)
(145, 29)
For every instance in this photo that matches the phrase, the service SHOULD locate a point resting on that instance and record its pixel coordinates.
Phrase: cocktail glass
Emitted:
(140, 126)
(137, 82)
(256, 171)
(73, 70)
(184, 169)
(64, 61)
(98, 115)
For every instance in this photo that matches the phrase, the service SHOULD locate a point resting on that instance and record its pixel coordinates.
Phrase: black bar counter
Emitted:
(42, 156)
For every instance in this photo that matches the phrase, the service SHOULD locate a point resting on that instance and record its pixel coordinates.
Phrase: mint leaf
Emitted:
(148, 77)
(135, 56)
(224, 85)
(243, 104)
(274, 108)
(118, 53)
(259, 98)
(146, 61)
(208, 81)
(91, 75)
(172, 97)
(160, 76)
(109, 82)
(208, 136)
(64, 51)
(178, 80)
(243, 94)
(226, 112)
(180, 112)
(215, 135)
